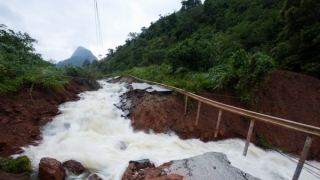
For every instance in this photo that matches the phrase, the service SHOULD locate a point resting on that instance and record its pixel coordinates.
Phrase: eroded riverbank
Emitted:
(94, 132)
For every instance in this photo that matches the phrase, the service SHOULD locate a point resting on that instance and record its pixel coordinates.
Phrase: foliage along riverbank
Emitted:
(31, 90)
(21, 66)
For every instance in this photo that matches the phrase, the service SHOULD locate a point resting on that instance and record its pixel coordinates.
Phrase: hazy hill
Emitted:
(78, 57)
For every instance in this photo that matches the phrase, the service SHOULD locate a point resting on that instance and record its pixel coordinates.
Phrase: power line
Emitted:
(99, 25)
(95, 20)
(99, 38)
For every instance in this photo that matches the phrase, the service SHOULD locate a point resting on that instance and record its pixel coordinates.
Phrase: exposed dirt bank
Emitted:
(23, 113)
(294, 97)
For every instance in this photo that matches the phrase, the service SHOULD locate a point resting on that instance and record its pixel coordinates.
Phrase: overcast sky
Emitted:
(60, 26)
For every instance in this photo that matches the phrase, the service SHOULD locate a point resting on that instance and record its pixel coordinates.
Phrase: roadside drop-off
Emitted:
(93, 132)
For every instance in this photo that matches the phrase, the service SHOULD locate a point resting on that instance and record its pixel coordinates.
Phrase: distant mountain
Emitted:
(78, 57)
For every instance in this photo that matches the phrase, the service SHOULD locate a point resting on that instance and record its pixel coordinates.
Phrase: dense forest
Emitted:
(223, 44)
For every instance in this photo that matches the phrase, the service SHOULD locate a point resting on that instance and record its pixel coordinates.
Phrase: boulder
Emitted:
(142, 164)
(74, 167)
(94, 177)
(51, 169)
(137, 169)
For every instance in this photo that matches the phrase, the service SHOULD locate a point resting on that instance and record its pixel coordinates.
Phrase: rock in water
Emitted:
(74, 166)
(51, 169)
(94, 177)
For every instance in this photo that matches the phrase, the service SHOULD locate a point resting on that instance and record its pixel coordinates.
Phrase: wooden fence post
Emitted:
(199, 105)
(218, 124)
(303, 158)
(248, 137)
(185, 105)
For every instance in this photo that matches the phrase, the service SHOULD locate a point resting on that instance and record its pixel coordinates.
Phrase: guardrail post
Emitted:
(248, 137)
(302, 159)
(218, 124)
(199, 105)
(185, 105)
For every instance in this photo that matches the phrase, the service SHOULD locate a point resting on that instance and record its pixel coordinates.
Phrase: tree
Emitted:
(187, 4)
(110, 52)
(143, 29)
(298, 47)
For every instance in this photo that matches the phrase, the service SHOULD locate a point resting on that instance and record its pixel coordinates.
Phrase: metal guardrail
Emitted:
(308, 129)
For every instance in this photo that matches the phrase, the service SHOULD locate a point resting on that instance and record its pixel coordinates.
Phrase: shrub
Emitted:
(20, 165)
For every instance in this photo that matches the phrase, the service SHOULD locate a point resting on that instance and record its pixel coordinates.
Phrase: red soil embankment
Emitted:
(23, 113)
(287, 95)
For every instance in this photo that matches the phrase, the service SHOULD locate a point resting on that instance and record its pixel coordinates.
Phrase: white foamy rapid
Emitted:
(93, 132)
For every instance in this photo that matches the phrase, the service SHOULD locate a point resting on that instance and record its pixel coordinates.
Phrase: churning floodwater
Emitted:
(93, 132)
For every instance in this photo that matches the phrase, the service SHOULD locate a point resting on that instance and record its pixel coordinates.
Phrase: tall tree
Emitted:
(187, 4)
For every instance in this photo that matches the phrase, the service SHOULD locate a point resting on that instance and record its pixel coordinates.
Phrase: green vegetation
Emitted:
(21, 66)
(20, 165)
(243, 73)
(87, 74)
(212, 45)
(298, 47)
(223, 45)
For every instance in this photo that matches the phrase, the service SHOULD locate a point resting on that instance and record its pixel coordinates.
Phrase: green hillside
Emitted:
(21, 67)
(224, 44)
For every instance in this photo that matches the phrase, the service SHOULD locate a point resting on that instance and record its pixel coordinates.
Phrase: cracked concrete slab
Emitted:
(149, 88)
(211, 165)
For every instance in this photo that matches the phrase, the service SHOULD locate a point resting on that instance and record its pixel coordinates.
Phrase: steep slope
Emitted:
(23, 113)
(287, 95)
(78, 57)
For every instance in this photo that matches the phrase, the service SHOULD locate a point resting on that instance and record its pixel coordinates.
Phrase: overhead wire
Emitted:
(99, 25)
(99, 38)
(96, 29)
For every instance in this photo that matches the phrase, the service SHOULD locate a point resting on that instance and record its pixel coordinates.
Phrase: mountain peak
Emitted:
(81, 51)
(78, 57)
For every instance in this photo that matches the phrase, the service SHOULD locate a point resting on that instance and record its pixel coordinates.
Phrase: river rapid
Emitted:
(93, 132)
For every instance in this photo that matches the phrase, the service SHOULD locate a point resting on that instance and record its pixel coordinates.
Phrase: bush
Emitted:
(20, 165)
(244, 73)
(20, 66)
